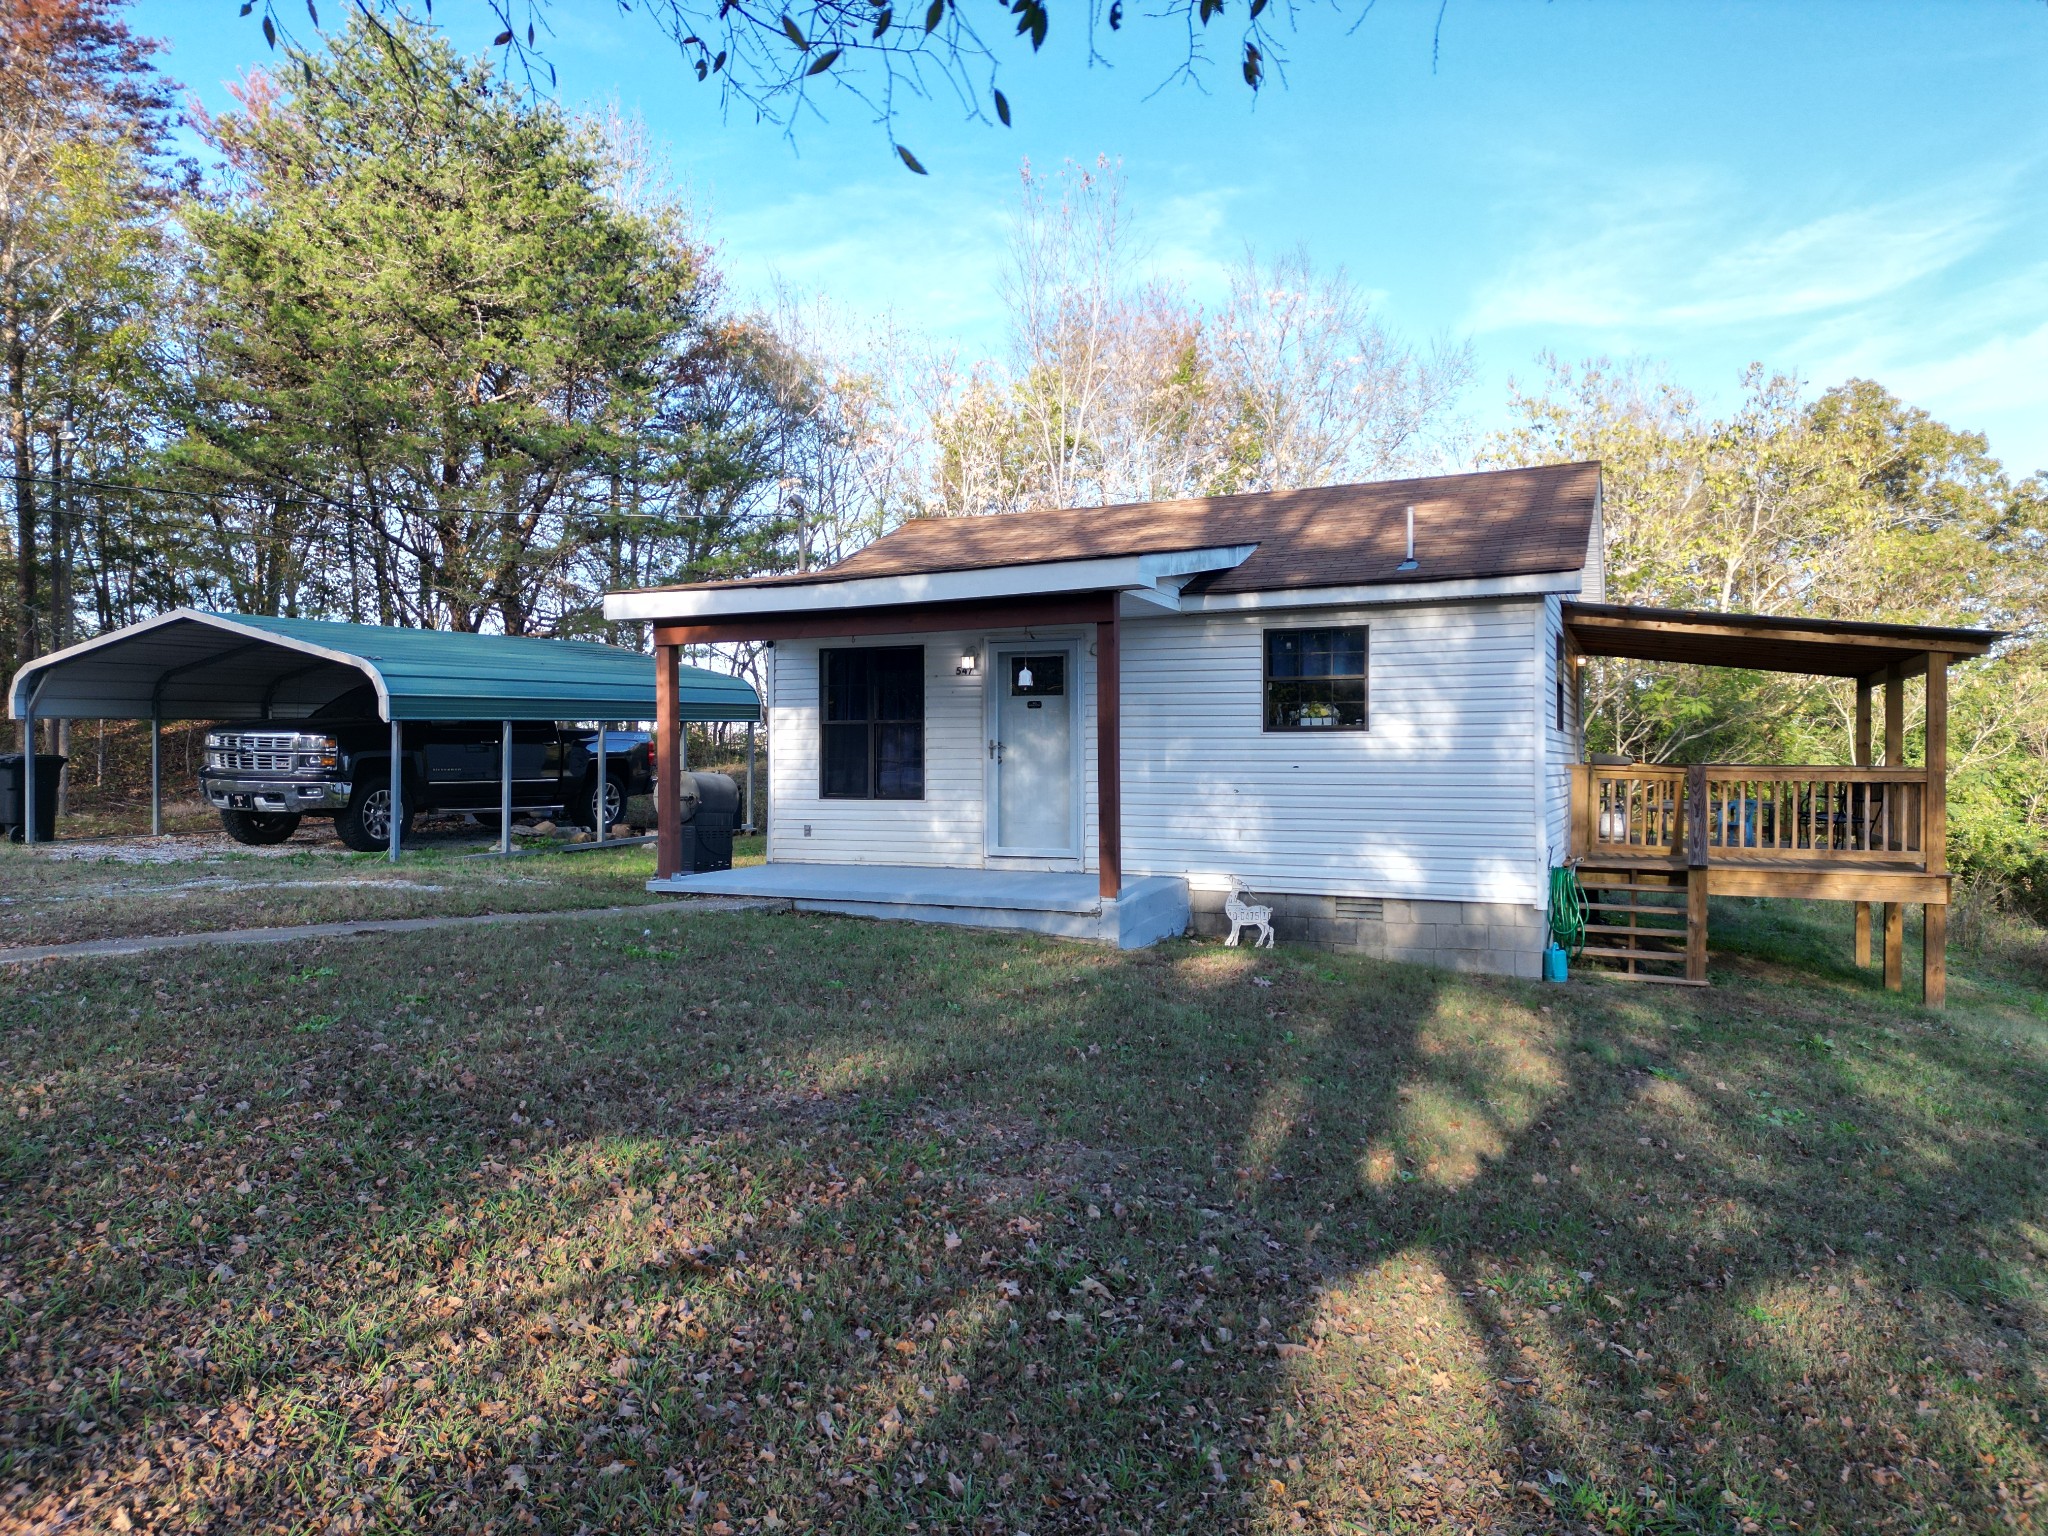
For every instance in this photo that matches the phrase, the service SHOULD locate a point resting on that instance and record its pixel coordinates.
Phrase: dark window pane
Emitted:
(846, 685)
(899, 685)
(1347, 697)
(844, 772)
(871, 731)
(899, 762)
(1283, 706)
(1316, 679)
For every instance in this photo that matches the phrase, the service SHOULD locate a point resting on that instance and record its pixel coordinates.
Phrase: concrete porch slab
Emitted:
(1064, 905)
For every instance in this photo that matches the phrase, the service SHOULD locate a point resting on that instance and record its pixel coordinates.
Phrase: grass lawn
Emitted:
(764, 1223)
(99, 891)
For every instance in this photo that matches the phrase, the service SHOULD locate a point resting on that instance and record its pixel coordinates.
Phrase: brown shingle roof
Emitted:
(1508, 522)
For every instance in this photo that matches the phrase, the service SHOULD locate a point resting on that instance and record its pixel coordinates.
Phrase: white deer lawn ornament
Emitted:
(1243, 914)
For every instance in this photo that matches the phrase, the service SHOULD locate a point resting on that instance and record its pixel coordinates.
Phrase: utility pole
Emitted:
(60, 584)
(22, 438)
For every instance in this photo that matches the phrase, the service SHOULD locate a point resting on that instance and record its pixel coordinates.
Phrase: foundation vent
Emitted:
(1369, 909)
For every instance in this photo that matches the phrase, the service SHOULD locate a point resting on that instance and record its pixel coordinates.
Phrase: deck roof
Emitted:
(1765, 642)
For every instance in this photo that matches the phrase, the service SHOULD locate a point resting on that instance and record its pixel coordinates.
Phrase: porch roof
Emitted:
(1765, 642)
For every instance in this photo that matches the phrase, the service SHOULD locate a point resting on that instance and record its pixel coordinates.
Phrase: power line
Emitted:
(112, 485)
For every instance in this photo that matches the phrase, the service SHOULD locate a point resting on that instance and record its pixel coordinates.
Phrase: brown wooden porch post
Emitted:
(668, 764)
(1108, 755)
(1894, 808)
(1861, 754)
(1934, 835)
(1696, 873)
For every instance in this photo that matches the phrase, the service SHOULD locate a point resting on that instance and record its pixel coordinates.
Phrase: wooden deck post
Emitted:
(1861, 755)
(1109, 756)
(1695, 807)
(1934, 835)
(1894, 757)
(668, 762)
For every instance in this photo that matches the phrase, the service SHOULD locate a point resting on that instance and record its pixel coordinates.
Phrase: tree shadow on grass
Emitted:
(819, 1224)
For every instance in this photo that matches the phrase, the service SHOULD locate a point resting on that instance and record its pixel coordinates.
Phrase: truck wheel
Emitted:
(586, 810)
(259, 829)
(366, 825)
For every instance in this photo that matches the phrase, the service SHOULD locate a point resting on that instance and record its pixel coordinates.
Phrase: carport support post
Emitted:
(28, 775)
(604, 822)
(668, 769)
(156, 773)
(505, 790)
(397, 790)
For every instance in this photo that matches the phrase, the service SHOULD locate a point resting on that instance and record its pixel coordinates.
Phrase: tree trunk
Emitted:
(24, 500)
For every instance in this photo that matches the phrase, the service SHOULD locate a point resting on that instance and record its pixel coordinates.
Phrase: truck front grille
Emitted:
(253, 752)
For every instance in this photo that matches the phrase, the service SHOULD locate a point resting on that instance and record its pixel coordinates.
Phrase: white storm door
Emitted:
(1034, 787)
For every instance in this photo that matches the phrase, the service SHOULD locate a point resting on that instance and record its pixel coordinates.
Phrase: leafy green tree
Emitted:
(1849, 504)
(421, 313)
(83, 122)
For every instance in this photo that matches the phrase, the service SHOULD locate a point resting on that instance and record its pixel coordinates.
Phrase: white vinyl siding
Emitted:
(1436, 801)
(1441, 799)
(948, 826)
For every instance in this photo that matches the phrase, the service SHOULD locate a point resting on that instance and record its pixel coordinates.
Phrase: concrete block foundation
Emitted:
(1495, 938)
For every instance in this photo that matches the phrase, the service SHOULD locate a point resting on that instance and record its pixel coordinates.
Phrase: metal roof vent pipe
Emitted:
(1410, 564)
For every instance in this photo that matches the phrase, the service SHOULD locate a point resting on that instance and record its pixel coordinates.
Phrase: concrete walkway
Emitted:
(101, 948)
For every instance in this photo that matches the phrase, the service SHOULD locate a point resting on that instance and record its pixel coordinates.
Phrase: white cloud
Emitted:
(1679, 255)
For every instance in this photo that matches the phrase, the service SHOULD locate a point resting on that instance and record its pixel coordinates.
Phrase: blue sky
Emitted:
(1829, 189)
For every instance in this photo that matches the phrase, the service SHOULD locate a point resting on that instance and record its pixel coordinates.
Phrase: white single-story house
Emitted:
(1352, 699)
(1359, 701)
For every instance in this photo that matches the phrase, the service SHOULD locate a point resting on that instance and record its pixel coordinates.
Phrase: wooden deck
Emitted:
(1873, 835)
(1653, 842)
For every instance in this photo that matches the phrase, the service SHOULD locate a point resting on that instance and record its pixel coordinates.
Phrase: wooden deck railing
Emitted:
(1854, 816)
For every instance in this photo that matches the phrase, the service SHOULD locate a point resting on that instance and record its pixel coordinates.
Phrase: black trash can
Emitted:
(14, 794)
(707, 836)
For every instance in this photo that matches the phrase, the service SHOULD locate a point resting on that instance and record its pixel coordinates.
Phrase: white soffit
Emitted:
(1155, 578)
(1566, 583)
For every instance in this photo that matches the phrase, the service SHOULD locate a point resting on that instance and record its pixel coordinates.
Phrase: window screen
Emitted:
(1315, 679)
(871, 724)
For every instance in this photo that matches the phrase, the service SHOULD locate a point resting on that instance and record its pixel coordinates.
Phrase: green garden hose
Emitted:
(1567, 910)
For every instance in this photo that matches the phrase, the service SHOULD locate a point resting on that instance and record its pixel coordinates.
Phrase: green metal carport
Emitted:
(192, 665)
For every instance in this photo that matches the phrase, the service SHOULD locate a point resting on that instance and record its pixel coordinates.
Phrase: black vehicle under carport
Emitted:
(328, 707)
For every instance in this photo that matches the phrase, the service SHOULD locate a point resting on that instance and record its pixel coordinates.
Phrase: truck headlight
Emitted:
(212, 739)
(316, 751)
